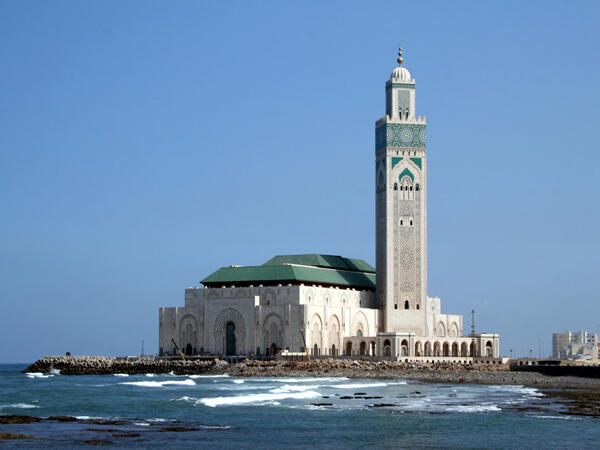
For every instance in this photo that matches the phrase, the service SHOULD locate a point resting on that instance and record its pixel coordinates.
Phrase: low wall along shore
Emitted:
(441, 372)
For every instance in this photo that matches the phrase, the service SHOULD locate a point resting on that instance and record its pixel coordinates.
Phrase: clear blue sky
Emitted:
(143, 145)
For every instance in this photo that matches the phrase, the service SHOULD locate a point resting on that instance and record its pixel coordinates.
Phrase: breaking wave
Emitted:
(20, 406)
(38, 375)
(256, 398)
(160, 383)
(358, 385)
(121, 374)
(209, 376)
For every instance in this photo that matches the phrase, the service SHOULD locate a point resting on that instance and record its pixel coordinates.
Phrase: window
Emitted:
(395, 306)
(406, 304)
(395, 186)
(411, 222)
(417, 306)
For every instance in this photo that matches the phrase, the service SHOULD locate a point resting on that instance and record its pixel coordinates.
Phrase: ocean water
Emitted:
(228, 412)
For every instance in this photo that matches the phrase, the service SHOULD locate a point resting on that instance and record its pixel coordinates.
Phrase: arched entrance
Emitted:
(404, 348)
(348, 348)
(387, 348)
(418, 349)
(230, 339)
(363, 348)
(315, 350)
(273, 348)
(427, 349)
(188, 350)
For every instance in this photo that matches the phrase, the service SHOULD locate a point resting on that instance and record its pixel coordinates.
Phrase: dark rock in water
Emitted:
(382, 405)
(180, 429)
(369, 397)
(322, 404)
(98, 442)
(360, 393)
(416, 392)
(10, 436)
(13, 419)
(326, 396)
(104, 422)
(103, 430)
(63, 418)
(126, 435)
(346, 397)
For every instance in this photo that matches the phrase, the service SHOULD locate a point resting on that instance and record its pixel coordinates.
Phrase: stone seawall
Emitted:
(439, 372)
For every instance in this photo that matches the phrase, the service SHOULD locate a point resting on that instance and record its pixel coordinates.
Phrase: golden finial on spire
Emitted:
(400, 60)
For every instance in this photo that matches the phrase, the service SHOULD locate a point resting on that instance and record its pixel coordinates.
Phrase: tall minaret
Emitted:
(401, 208)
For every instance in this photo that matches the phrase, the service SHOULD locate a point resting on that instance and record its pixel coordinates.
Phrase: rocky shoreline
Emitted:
(441, 372)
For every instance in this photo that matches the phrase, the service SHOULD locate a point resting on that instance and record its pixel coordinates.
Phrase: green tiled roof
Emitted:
(327, 261)
(307, 269)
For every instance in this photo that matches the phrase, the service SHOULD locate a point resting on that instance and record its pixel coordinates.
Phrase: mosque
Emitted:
(332, 305)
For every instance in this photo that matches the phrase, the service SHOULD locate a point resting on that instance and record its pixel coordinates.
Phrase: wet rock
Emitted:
(360, 393)
(322, 404)
(10, 436)
(98, 442)
(63, 418)
(14, 419)
(178, 429)
(126, 435)
(103, 430)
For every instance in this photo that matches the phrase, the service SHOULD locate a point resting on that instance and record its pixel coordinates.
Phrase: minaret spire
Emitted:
(400, 59)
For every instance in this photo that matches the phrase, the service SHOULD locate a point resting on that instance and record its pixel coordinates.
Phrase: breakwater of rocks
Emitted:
(439, 372)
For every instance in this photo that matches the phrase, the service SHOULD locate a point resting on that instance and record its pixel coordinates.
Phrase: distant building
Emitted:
(330, 305)
(579, 345)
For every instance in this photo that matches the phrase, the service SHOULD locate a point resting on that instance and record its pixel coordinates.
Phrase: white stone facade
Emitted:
(268, 319)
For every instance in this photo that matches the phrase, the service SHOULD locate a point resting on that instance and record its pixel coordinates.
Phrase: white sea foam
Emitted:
(541, 416)
(472, 408)
(54, 371)
(256, 399)
(20, 406)
(295, 388)
(150, 374)
(358, 385)
(38, 375)
(89, 417)
(160, 383)
(141, 424)
(209, 376)
(518, 389)
(185, 398)
(121, 374)
(238, 381)
(307, 379)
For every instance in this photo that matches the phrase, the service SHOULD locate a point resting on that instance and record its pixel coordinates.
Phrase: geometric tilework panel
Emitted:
(400, 135)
